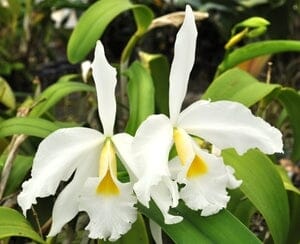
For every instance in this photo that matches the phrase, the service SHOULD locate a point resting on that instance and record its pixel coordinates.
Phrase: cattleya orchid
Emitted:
(203, 177)
(91, 157)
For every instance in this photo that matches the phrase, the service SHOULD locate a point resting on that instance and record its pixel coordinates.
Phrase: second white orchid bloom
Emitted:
(92, 157)
(203, 176)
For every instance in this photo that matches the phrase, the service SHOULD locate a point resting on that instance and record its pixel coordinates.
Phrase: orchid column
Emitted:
(202, 176)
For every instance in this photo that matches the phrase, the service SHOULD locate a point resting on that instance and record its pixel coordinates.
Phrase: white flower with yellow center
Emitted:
(92, 157)
(203, 176)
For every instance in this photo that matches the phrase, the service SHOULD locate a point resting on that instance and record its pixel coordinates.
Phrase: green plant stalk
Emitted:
(123, 67)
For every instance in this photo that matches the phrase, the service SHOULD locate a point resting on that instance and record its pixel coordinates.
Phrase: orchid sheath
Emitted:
(203, 177)
(91, 157)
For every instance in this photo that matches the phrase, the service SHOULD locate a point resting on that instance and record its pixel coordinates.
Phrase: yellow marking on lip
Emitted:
(107, 169)
(107, 186)
(198, 167)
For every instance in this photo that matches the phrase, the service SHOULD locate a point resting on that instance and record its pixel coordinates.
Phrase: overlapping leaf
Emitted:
(12, 223)
(94, 21)
(264, 188)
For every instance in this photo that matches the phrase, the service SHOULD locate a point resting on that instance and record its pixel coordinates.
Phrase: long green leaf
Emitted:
(55, 93)
(257, 49)
(7, 96)
(288, 184)
(224, 222)
(294, 233)
(217, 228)
(140, 95)
(159, 68)
(237, 85)
(264, 188)
(12, 223)
(21, 167)
(181, 233)
(94, 21)
(28, 126)
(290, 99)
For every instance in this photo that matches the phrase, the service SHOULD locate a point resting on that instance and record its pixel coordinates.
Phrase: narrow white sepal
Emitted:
(105, 80)
(155, 232)
(183, 61)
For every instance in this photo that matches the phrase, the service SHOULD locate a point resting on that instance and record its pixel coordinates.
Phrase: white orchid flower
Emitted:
(91, 157)
(224, 124)
(59, 16)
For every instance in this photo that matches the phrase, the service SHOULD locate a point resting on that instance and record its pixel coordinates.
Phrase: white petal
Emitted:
(151, 146)
(155, 232)
(175, 167)
(183, 61)
(207, 192)
(230, 125)
(165, 195)
(66, 204)
(232, 181)
(123, 144)
(58, 16)
(105, 80)
(72, 20)
(110, 216)
(85, 68)
(57, 157)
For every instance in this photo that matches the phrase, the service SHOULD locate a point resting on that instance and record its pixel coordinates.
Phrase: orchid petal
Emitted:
(85, 68)
(72, 20)
(123, 143)
(228, 124)
(66, 204)
(155, 230)
(110, 215)
(206, 192)
(57, 157)
(165, 195)
(151, 146)
(232, 181)
(183, 61)
(59, 16)
(105, 80)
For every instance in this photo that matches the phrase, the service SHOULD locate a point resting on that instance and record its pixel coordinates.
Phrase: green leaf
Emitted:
(237, 85)
(286, 180)
(159, 68)
(290, 99)
(257, 49)
(217, 228)
(94, 21)
(181, 233)
(240, 206)
(55, 93)
(264, 188)
(7, 96)
(12, 223)
(21, 167)
(140, 95)
(28, 126)
(294, 233)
